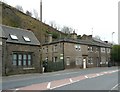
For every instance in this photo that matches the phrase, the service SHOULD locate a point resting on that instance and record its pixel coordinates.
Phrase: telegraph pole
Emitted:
(41, 35)
(41, 10)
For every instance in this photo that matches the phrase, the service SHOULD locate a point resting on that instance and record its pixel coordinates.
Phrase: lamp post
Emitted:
(113, 48)
(112, 37)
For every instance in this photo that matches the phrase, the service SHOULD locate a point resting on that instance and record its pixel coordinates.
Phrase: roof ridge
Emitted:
(15, 28)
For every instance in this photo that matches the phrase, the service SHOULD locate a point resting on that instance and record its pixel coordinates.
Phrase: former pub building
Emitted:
(20, 51)
(69, 53)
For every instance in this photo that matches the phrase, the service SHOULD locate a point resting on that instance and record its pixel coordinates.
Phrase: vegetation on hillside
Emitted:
(15, 18)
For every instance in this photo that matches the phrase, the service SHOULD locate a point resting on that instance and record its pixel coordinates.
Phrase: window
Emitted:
(90, 48)
(78, 47)
(97, 49)
(14, 60)
(55, 48)
(108, 50)
(13, 37)
(19, 59)
(78, 61)
(90, 60)
(22, 59)
(0, 42)
(27, 39)
(29, 59)
(68, 61)
(46, 49)
(103, 50)
(55, 59)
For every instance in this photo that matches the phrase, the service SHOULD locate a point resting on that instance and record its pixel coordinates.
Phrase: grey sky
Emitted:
(85, 16)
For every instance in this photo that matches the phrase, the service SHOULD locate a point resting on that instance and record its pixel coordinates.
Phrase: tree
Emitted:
(53, 24)
(28, 13)
(67, 30)
(115, 53)
(19, 8)
(35, 13)
(97, 37)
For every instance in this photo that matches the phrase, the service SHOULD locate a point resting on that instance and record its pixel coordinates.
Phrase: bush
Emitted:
(115, 53)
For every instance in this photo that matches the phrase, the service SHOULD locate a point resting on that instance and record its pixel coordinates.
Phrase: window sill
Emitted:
(29, 68)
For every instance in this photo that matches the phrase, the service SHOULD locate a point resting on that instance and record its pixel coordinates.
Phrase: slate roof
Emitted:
(92, 42)
(20, 33)
(2, 34)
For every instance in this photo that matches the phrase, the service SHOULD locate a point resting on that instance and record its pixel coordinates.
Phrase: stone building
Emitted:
(20, 51)
(76, 53)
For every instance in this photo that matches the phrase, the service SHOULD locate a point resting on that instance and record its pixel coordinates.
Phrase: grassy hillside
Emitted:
(15, 18)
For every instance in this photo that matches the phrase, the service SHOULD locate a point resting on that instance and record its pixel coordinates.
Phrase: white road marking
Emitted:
(98, 74)
(115, 86)
(105, 72)
(86, 76)
(15, 90)
(60, 86)
(71, 80)
(27, 78)
(101, 74)
(48, 86)
(92, 76)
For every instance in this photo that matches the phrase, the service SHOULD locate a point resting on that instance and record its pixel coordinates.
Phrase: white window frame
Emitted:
(77, 47)
(67, 61)
(55, 59)
(55, 48)
(0, 42)
(108, 50)
(90, 48)
(77, 61)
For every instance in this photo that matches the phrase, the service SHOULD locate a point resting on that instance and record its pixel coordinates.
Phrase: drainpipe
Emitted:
(63, 57)
(100, 56)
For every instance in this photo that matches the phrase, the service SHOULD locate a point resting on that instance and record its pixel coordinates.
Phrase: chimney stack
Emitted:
(50, 38)
(74, 35)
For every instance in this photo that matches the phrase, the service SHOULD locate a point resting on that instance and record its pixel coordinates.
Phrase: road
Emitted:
(102, 78)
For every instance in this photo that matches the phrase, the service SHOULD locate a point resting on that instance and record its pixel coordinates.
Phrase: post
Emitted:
(41, 36)
(113, 48)
(41, 10)
(112, 37)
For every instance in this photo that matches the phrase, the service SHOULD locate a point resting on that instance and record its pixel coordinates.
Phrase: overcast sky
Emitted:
(85, 16)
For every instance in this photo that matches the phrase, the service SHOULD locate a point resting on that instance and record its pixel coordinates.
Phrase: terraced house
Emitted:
(76, 53)
(20, 51)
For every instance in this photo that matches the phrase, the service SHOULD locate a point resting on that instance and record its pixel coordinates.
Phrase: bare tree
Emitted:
(97, 37)
(67, 30)
(35, 13)
(29, 13)
(19, 8)
(53, 24)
